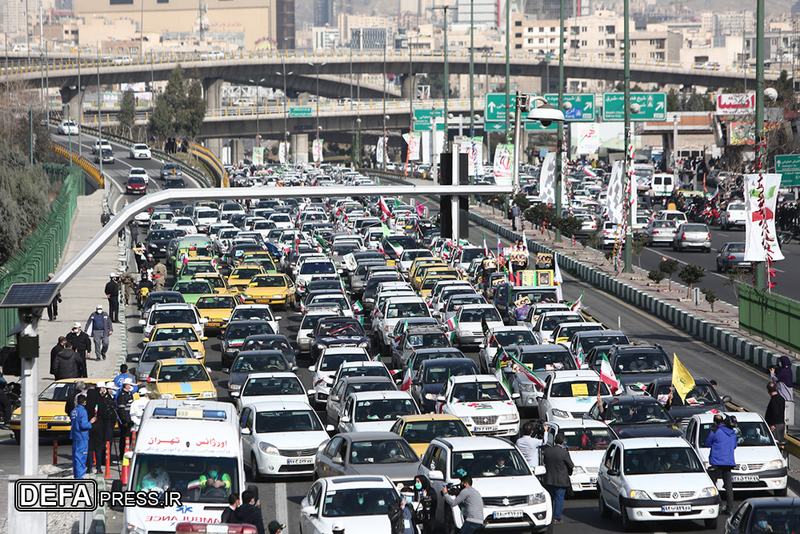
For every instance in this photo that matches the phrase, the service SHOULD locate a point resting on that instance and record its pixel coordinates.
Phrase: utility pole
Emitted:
(141, 32)
(508, 69)
(761, 266)
(628, 177)
(446, 85)
(99, 116)
(471, 68)
(560, 148)
(385, 148)
(80, 104)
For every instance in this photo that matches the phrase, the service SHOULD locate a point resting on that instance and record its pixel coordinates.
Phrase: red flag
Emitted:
(406, 385)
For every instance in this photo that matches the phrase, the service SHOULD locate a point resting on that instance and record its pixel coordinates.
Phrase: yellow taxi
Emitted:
(262, 257)
(419, 430)
(277, 289)
(418, 273)
(216, 280)
(181, 378)
(426, 288)
(53, 420)
(217, 309)
(240, 277)
(179, 332)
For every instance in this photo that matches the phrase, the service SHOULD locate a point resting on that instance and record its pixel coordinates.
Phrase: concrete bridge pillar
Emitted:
(72, 104)
(406, 88)
(215, 146)
(299, 148)
(212, 89)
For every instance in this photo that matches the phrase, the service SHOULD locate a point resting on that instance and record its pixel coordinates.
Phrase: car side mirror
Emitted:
(345, 419)
(540, 470)
(416, 382)
(312, 368)
(309, 510)
(311, 392)
(135, 359)
(337, 459)
(440, 398)
(278, 318)
(330, 428)
(204, 320)
(612, 473)
(295, 368)
(436, 476)
(245, 431)
(726, 399)
(335, 398)
(142, 322)
(515, 395)
(204, 338)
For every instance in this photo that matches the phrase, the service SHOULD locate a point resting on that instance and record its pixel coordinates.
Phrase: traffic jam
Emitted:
(416, 383)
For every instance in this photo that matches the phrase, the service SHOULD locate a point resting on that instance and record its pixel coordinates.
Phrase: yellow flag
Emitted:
(682, 380)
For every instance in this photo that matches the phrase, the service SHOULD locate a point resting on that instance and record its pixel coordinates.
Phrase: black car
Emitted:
(394, 244)
(174, 182)
(368, 297)
(158, 240)
(635, 417)
(337, 332)
(235, 335)
(781, 514)
(637, 365)
(256, 361)
(701, 399)
(324, 285)
(170, 169)
(433, 374)
(277, 342)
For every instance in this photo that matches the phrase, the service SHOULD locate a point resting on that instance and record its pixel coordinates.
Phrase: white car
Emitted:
(178, 312)
(282, 220)
(329, 362)
(204, 218)
(256, 312)
(587, 441)
(375, 411)
(122, 60)
(655, 479)
(569, 394)
(361, 368)
(735, 215)
(396, 310)
(280, 438)
(469, 323)
(547, 323)
(564, 332)
(68, 128)
(140, 172)
(186, 224)
(314, 269)
(354, 503)
(507, 336)
(513, 498)
(761, 466)
(482, 402)
(276, 386)
(97, 144)
(140, 151)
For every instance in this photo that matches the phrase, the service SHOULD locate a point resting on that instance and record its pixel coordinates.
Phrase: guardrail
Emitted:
(80, 161)
(770, 316)
(211, 161)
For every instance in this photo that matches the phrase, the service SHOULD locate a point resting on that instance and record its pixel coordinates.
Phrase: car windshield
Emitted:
(695, 228)
(569, 331)
(364, 370)
(426, 431)
(383, 409)
(639, 414)
(191, 269)
(489, 463)
(701, 394)
(748, 434)
(259, 363)
(57, 391)
(587, 439)
(163, 298)
(429, 341)
(736, 207)
(173, 334)
(381, 385)
(310, 321)
(579, 388)
(227, 303)
(287, 421)
(384, 451)
(268, 281)
(272, 343)
(172, 316)
(438, 374)
(339, 300)
(340, 329)
(548, 361)
(515, 338)
(252, 314)
(663, 460)
(188, 372)
(651, 362)
(411, 255)
(406, 309)
(134, 179)
(242, 330)
(193, 287)
(215, 281)
(318, 267)
(587, 342)
(359, 502)
(470, 254)
(152, 354)
(476, 316)
(245, 272)
(160, 235)
(479, 392)
(189, 475)
(455, 303)
(332, 362)
(548, 323)
(286, 385)
(347, 248)
(736, 247)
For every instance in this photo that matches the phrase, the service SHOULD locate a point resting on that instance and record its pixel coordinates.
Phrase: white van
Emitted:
(663, 185)
(191, 443)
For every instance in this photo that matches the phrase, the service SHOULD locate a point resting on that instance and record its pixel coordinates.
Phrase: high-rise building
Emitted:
(285, 24)
(323, 12)
(485, 12)
(13, 17)
(368, 38)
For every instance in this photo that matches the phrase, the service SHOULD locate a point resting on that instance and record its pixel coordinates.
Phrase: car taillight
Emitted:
(731, 258)
(655, 232)
(708, 236)
(683, 236)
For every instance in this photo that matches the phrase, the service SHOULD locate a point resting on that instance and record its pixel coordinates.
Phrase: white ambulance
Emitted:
(189, 446)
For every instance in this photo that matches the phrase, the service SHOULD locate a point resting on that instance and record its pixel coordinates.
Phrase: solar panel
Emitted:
(30, 295)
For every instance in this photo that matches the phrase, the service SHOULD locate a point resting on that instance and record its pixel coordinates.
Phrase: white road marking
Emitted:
(281, 508)
(683, 262)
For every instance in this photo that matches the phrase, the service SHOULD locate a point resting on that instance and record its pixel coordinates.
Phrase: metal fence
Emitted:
(770, 316)
(41, 252)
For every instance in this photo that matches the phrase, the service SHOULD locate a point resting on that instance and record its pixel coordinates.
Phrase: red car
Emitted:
(136, 185)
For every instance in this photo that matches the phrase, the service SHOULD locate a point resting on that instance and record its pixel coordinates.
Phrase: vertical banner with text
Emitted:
(760, 235)
(503, 164)
(316, 150)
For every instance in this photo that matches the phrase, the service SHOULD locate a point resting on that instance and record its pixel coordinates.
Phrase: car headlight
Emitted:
(537, 498)
(363, 345)
(268, 448)
(431, 396)
(197, 354)
(560, 413)
(510, 417)
(61, 418)
(463, 332)
(776, 464)
(708, 492)
(236, 387)
(277, 295)
(166, 396)
(133, 529)
(527, 387)
(16, 417)
(577, 470)
(320, 346)
(639, 495)
(303, 339)
(208, 394)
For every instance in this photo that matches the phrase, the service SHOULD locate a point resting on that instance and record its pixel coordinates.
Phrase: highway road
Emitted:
(281, 498)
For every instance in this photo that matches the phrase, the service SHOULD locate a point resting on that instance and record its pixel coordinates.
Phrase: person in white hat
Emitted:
(100, 328)
(124, 403)
(138, 406)
(82, 344)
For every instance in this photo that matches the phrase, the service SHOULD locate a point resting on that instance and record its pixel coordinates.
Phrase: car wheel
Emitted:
(17, 437)
(719, 268)
(674, 248)
(255, 476)
(780, 492)
(449, 524)
(627, 524)
(605, 511)
(711, 524)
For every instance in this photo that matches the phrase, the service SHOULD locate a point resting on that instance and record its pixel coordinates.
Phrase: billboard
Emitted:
(736, 104)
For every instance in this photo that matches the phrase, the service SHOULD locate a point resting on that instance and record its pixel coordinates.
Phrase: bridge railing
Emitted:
(88, 167)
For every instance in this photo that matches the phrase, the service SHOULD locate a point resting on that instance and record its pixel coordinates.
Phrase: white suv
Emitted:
(482, 402)
(735, 215)
(173, 313)
(513, 498)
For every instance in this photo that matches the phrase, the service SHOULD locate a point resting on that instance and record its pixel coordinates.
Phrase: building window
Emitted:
(541, 41)
(552, 41)
(633, 55)
(517, 23)
(518, 35)
(583, 29)
(584, 43)
(120, 2)
(600, 43)
(518, 46)
(162, 1)
(552, 28)
(530, 41)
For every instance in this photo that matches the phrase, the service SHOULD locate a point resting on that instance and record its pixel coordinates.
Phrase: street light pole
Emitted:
(508, 68)
(383, 156)
(628, 190)
(761, 266)
(258, 128)
(446, 84)
(471, 69)
(560, 141)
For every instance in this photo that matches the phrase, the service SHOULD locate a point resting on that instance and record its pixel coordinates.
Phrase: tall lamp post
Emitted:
(761, 266)
(628, 178)
(258, 129)
(317, 66)
(446, 95)
(560, 141)
(285, 101)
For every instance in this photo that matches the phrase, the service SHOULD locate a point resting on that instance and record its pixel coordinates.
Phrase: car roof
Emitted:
(276, 374)
(579, 423)
(471, 443)
(344, 350)
(437, 350)
(542, 348)
(601, 333)
(365, 379)
(464, 360)
(654, 443)
(429, 417)
(370, 363)
(364, 436)
(358, 481)
(569, 376)
(278, 405)
(179, 361)
(380, 395)
(740, 416)
(473, 378)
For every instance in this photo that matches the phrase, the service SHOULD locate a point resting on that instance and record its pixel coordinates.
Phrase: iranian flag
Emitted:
(485, 248)
(499, 247)
(580, 357)
(503, 361)
(384, 209)
(406, 385)
(527, 371)
(607, 375)
(452, 323)
(400, 336)
(578, 304)
(358, 307)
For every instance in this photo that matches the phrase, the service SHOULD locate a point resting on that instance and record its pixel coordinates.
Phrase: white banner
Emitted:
(615, 193)
(588, 138)
(736, 104)
(258, 155)
(757, 235)
(547, 179)
(316, 150)
(413, 141)
(473, 147)
(283, 151)
(380, 150)
(503, 164)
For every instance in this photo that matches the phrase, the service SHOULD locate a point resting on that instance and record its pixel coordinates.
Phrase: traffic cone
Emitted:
(108, 460)
(125, 463)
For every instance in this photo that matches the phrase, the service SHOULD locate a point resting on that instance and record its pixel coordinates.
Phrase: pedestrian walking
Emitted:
(79, 433)
(722, 441)
(783, 381)
(129, 285)
(124, 402)
(99, 327)
(112, 294)
(248, 512)
(54, 353)
(233, 504)
(559, 467)
(82, 344)
(67, 364)
(96, 411)
(775, 415)
(52, 309)
(105, 217)
(515, 213)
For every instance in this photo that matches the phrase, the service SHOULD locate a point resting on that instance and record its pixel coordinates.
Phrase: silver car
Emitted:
(661, 232)
(692, 235)
(731, 255)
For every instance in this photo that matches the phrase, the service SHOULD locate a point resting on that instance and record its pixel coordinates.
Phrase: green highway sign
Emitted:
(494, 126)
(789, 167)
(426, 126)
(582, 110)
(300, 112)
(653, 106)
(427, 114)
(495, 110)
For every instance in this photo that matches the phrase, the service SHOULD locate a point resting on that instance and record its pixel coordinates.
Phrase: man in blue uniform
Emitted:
(79, 433)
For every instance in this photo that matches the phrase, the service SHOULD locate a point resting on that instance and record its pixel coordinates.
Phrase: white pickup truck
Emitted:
(735, 215)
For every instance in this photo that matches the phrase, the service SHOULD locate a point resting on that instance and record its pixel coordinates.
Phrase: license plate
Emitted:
(485, 428)
(507, 513)
(42, 426)
(744, 264)
(300, 461)
(592, 480)
(745, 478)
(677, 508)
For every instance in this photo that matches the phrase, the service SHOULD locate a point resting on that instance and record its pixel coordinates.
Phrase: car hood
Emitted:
(396, 472)
(476, 327)
(294, 440)
(482, 408)
(671, 482)
(685, 412)
(145, 367)
(652, 430)
(501, 486)
(237, 378)
(362, 523)
(252, 399)
(373, 426)
(571, 404)
(348, 339)
(589, 460)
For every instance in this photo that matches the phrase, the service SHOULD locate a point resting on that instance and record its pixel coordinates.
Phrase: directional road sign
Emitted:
(789, 167)
(427, 114)
(582, 110)
(305, 111)
(427, 126)
(494, 126)
(653, 106)
(495, 109)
